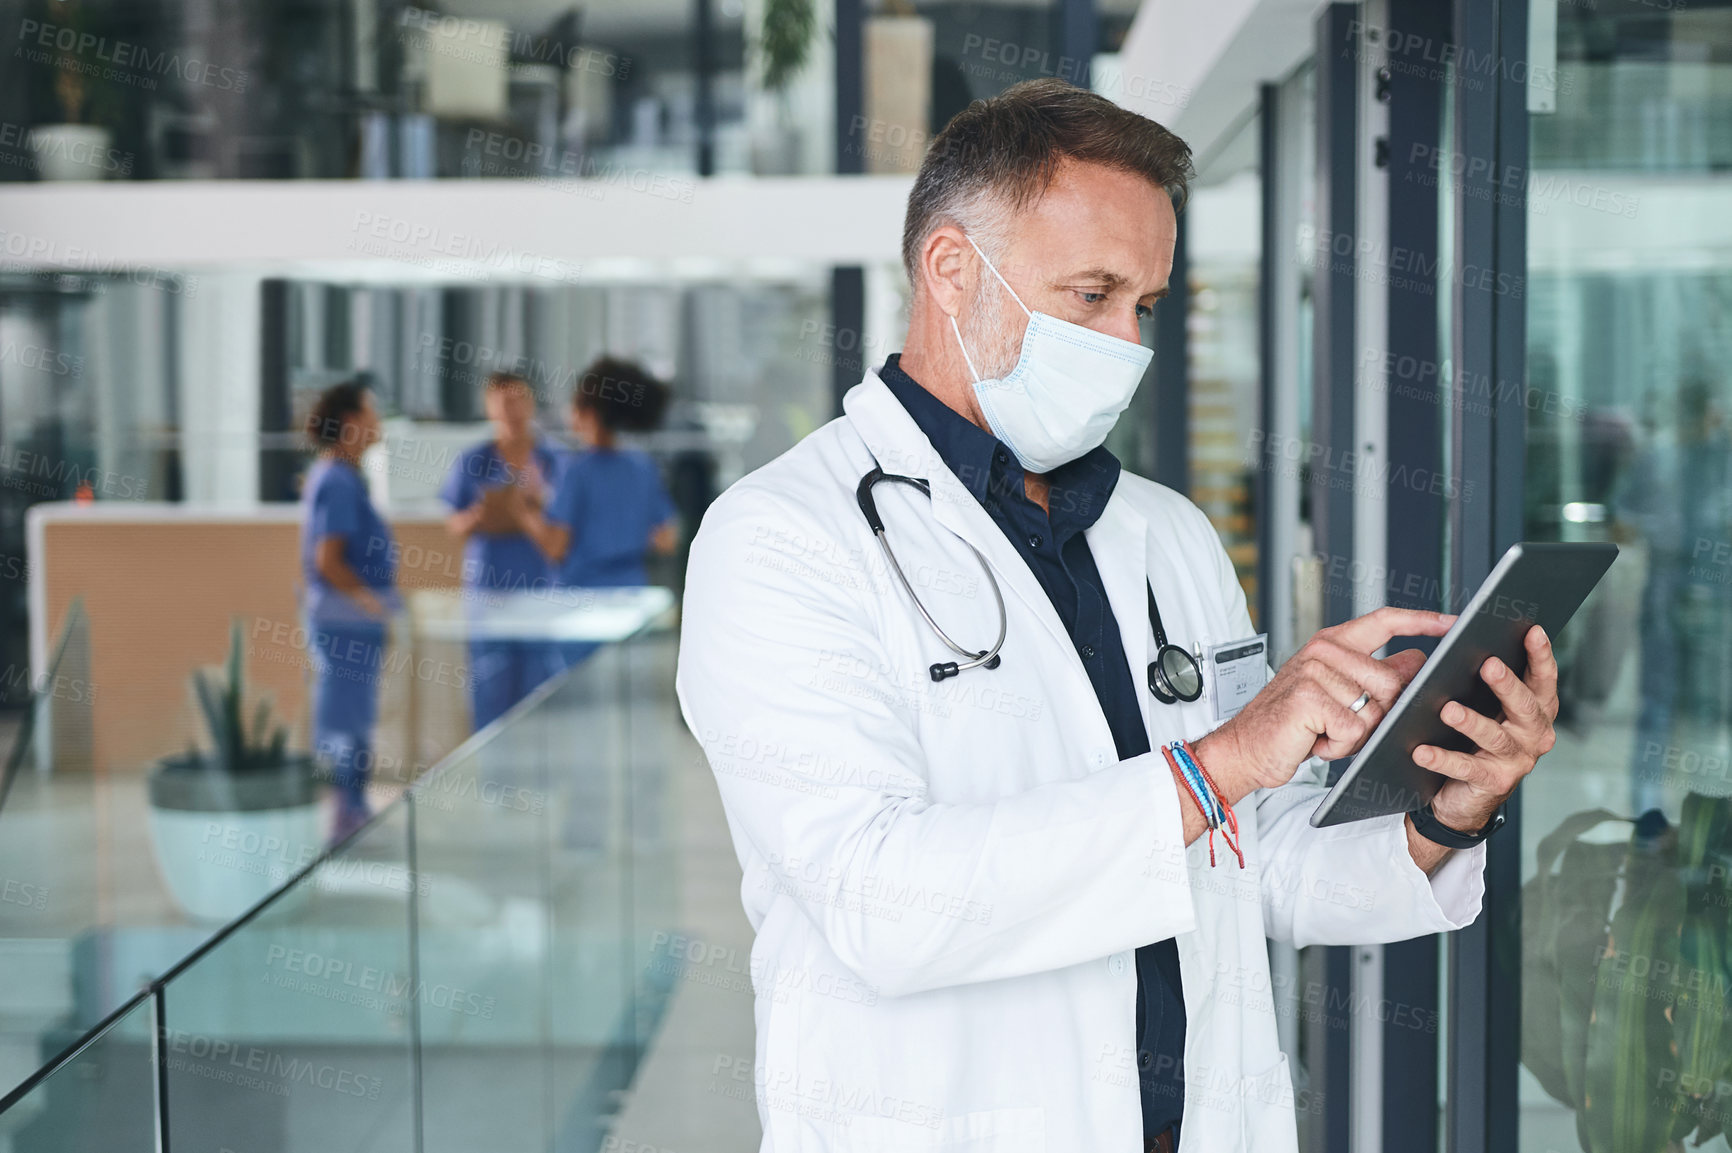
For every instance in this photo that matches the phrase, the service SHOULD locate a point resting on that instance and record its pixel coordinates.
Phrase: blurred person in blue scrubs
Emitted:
(610, 510)
(497, 492)
(349, 568)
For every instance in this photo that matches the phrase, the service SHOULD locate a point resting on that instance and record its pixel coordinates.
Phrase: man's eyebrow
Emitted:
(1101, 276)
(1107, 279)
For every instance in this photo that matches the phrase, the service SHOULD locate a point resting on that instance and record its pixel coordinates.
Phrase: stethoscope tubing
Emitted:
(972, 658)
(975, 660)
(1165, 689)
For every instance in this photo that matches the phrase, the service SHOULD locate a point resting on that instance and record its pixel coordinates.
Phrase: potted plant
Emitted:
(784, 44)
(1627, 964)
(77, 147)
(232, 821)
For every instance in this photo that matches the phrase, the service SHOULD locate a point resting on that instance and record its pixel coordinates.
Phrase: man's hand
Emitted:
(1481, 781)
(1307, 709)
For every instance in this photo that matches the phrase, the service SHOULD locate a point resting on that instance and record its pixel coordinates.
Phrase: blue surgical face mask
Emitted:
(1066, 392)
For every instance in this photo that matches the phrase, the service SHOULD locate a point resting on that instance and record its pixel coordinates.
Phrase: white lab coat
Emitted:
(948, 881)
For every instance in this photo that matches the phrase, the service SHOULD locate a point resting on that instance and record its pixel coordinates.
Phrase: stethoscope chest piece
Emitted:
(1174, 674)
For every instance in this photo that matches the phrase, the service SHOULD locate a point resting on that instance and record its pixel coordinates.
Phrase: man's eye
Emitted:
(1144, 311)
(1092, 297)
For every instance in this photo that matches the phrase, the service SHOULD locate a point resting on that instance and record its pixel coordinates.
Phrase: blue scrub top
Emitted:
(612, 500)
(335, 502)
(505, 561)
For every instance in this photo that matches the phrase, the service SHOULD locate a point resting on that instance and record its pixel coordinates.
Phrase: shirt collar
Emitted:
(1079, 489)
(964, 446)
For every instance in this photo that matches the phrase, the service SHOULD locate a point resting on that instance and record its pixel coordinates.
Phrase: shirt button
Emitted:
(1116, 964)
(1144, 1058)
(1034, 540)
(1001, 456)
(1088, 652)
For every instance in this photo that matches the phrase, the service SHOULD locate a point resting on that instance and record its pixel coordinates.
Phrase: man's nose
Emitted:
(1122, 325)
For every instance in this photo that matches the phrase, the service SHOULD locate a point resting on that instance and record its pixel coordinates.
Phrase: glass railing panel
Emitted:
(51, 865)
(295, 1030)
(103, 1098)
(651, 716)
(482, 935)
(482, 966)
(590, 1013)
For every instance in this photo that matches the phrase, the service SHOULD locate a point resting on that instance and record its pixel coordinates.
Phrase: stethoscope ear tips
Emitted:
(995, 661)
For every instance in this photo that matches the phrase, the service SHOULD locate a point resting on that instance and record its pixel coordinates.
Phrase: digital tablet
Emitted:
(1534, 584)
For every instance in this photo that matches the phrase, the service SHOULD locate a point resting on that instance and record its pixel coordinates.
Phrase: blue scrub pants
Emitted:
(346, 662)
(501, 673)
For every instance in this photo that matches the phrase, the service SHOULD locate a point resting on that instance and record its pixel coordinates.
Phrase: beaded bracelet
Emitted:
(1216, 812)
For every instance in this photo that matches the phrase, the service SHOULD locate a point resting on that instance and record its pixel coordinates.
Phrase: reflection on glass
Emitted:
(1627, 849)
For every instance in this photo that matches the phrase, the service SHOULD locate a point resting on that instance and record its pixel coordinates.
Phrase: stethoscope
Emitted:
(1174, 675)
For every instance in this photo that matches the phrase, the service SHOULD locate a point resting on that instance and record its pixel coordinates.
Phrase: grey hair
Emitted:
(998, 156)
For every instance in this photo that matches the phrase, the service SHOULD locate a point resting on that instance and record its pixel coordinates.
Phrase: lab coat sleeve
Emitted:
(824, 782)
(1352, 884)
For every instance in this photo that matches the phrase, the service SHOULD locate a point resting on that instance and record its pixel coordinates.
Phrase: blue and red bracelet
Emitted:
(1217, 814)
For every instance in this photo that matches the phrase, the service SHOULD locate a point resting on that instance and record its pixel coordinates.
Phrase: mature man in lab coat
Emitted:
(987, 917)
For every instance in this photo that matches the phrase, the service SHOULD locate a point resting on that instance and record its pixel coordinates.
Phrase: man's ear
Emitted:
(948, 265)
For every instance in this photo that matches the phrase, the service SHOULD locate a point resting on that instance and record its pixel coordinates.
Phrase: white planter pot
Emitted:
(219, 865)
(72, 152)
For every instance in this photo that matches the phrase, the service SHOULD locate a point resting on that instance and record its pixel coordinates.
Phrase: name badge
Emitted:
(1237, 671)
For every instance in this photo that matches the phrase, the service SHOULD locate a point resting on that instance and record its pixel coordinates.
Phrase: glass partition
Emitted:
(296, 1030)
(51, 858)
(476, 967)
(1627, 830)
(484, 927)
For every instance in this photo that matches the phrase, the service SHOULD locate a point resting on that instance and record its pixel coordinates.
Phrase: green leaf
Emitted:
(1631, 1100)
(1589, 881)
(1565, 913)
(235, 694)
(261, 724)
(215, 718)
(1705, 947)
(787, 39)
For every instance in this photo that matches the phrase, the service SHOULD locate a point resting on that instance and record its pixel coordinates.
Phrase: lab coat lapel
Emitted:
(899, 446)
(1118, 541)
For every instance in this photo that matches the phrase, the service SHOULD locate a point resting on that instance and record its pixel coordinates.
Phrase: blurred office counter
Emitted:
(162, 585)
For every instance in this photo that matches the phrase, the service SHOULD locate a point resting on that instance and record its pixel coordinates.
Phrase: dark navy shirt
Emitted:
(1054, 548)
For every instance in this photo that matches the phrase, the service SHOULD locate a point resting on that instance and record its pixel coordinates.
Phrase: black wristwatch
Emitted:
(1426, 824)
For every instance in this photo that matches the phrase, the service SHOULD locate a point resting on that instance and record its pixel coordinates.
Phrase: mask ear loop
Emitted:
(1001, 278)
(969, 360)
